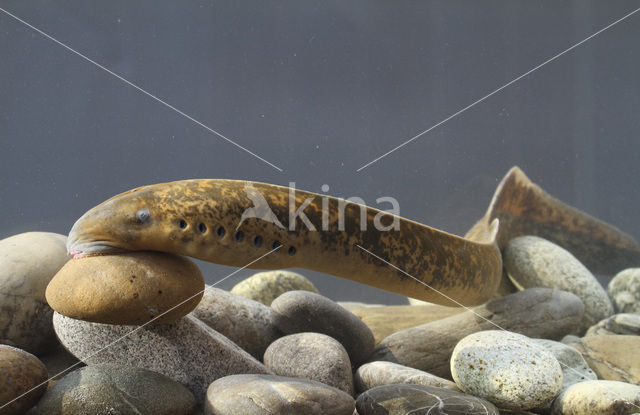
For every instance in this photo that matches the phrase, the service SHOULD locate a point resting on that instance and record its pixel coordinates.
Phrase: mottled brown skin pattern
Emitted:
(468, 271)
(523, 208)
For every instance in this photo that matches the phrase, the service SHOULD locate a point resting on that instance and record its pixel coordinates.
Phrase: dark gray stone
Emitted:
(311, 356)
(114, 389)
(250, 324)
(420, 400)
(303, 311)
(268, 394)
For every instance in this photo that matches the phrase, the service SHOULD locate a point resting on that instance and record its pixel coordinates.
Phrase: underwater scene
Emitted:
(301, 207)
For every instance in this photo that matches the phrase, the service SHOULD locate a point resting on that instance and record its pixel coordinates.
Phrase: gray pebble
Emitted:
(420, 400)
(303, 311)
(29, 261)
(109, 389)
(311, 356)
(268, 394)
(623, 323)
(574, 368)
(371, 375)
(250, 324)
(188, 351)
(531, 261)
(266, 286)
(624, 290)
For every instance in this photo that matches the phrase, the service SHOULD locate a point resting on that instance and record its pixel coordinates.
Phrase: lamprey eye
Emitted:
(143, 215)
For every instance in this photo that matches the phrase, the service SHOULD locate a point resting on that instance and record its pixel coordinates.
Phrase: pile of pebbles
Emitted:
(561, 344)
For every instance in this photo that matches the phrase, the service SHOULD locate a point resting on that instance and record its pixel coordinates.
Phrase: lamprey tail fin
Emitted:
(524, 208)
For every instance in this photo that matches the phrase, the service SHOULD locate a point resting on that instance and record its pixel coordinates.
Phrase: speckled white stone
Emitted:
(188, 351)
(624, 290)
(598, 397)
(531, 261)
(28, 261)
(507, 369)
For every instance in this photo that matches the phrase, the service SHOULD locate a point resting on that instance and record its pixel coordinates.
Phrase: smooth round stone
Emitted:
(612, 357)
(598, 397)
(508, 369)
(29, 261)
(303, 311)
(534, 312)
(371, 375)
(265, 394)
(188, 351)
(574, 368)
(623, 323)
(311, 356)
(250, 324)
(266, 286)
(624, 290)
(110, 389)
(531, 261)
(131, 288)
(20, 372)
(385, 320)
(420, 399)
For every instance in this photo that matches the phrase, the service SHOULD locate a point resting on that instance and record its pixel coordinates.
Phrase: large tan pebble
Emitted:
(612, 357)
(128, 289)
(28, 261)
(21, 373)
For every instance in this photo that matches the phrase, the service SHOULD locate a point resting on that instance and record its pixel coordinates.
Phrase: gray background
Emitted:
(319, 88)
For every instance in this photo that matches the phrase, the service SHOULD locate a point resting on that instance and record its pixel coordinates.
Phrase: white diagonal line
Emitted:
(140, 89)
(498, 90)
(476, 314)
(139, 327)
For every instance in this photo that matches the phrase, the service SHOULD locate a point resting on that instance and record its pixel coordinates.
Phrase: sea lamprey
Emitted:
(264, 226)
